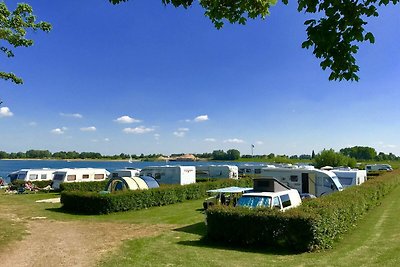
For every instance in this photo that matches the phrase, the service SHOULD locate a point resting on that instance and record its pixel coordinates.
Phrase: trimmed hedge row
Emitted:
(314, 225)
(96, 203)
(95, 186)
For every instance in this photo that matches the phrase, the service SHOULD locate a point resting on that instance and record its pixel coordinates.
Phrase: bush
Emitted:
(20, 183)
(312, 226)
(96, 203)
(95, 186)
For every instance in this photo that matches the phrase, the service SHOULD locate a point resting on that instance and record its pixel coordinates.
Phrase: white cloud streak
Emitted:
(201, 118)
(234, 141)
(59, 131)
(88, 129)
(126, 119)
(210, 140)
(138, 130)
(72, 115)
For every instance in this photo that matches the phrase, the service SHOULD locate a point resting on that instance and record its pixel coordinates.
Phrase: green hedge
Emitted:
(95, 186)
(97, 203)
(312, 226)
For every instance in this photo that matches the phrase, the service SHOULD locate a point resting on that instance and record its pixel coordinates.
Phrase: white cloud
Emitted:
(106, 139)
(179, 134)
(72, 115)
(138, 130)
(157, 136)
(210, 140)
(259, 142)
(88, 129)
(234, 140)
(59, 130)
(33, 123)
(126, 119)
(201, 118)
(5, 112)
(183, 129)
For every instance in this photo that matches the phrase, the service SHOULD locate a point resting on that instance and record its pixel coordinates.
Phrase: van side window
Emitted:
(285, 201)
(71, 177)
(85, 176)
(98, 176)
(294, 178)
(276, 203)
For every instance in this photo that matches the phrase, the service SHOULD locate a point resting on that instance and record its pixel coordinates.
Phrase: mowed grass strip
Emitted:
(375, 241)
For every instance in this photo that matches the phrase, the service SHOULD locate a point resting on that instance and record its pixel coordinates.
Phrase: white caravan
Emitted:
(305, 180)
(217, 171)
(71, 175)
(171, 174)
(378, 167)
(349, 177)
(252, 170)
(127, 172)
(34, 175)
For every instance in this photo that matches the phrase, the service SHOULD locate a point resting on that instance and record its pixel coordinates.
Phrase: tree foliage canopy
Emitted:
(331, 158)
(13, 29)
(360, 152)
(333, 34)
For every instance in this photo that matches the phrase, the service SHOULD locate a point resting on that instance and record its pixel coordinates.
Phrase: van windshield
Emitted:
(254, 201)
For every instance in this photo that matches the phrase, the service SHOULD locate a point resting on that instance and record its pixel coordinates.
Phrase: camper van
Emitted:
(378, 167)
(349, 177)
(269, 192)
(217, 171)
(171, 174)
(305, 180)
(127, 172)
(33, 175)
(71, 175)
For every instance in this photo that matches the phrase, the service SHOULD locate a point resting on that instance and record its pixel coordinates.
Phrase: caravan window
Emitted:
(85, 176)
(294, 178)
(21, 175)
(257, 171)
(71, 177)
(43, 176)
(285, 201)
(33, 176)
(98, 176)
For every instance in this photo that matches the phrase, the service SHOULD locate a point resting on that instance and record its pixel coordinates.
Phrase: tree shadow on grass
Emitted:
(201, 230)
(61, 210)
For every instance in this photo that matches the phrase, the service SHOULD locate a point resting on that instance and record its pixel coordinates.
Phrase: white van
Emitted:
(282, 200)
(378, 167)
(71, 175)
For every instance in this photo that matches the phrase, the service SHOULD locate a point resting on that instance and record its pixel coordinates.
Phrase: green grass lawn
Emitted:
(374, 242)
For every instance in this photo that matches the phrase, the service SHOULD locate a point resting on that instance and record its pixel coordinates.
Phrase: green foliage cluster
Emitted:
(13, 29)
(334, 159)
(314, 225)
(231, 154)
(20, 183)
(95, 186)
(98, 203)
(359, 152)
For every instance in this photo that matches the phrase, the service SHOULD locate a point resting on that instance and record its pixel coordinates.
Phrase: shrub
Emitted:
(96, 203)
(20, 183)
(312, 226)
(95, 186)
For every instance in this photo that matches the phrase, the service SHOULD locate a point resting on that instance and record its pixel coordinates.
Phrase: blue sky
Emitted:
(140, 77)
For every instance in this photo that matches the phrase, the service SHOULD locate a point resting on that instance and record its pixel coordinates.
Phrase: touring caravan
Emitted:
(350, 177)
(71, 175)
(217, 171)
(251, 170)
(305, 180)
(378, 167)
(33, 175)
(127, 172)
(171, 174)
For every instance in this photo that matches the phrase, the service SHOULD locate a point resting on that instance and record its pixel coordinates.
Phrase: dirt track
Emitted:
(76, 243)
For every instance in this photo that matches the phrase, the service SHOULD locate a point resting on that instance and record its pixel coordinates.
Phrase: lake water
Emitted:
(7, 166)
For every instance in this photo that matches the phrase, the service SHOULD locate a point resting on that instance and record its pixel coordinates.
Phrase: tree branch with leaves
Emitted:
(14, 26)
(333, 35)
